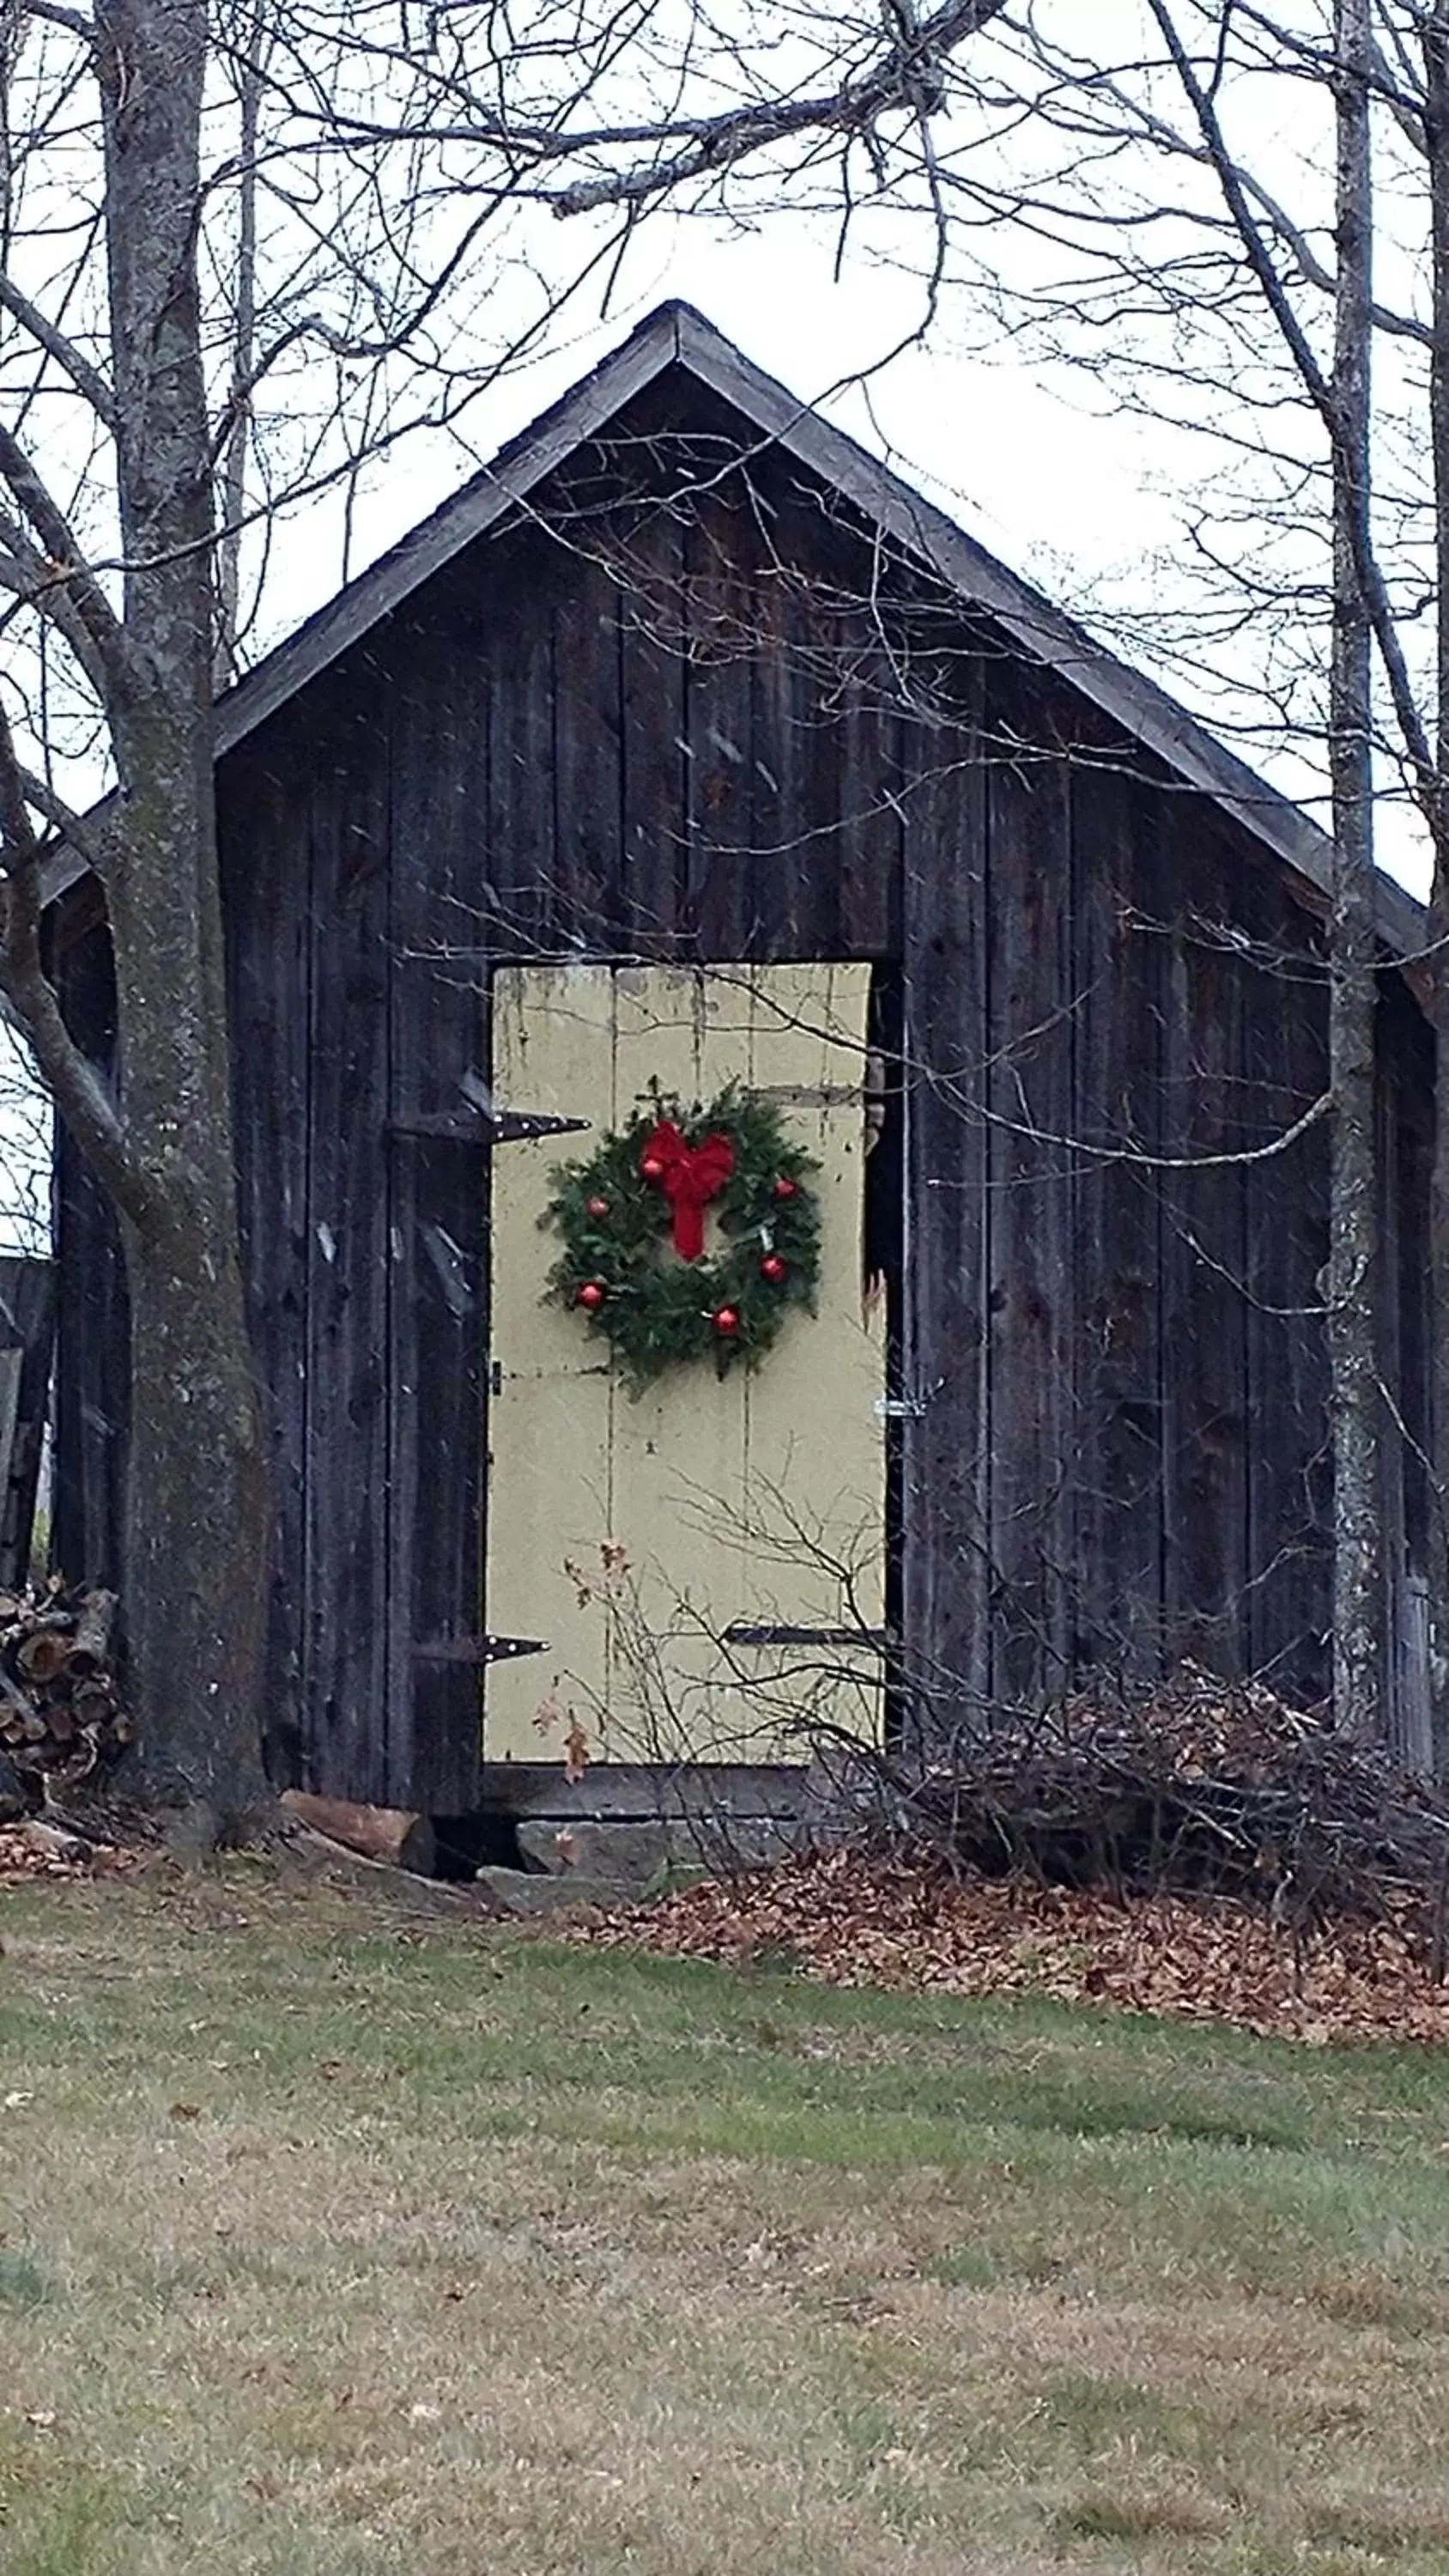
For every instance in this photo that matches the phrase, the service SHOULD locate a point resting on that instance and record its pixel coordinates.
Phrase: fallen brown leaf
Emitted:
(854, 1921)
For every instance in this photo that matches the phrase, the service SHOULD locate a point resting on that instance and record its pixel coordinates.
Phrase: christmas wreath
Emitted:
(646, 1190)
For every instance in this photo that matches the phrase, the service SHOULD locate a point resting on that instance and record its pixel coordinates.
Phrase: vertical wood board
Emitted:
(346, 1233)
(1118, 1011)
(1205, 1309)
(1030, 1099)
(265, 817)
(440, 793)
(946, 1383)
(704, 1502)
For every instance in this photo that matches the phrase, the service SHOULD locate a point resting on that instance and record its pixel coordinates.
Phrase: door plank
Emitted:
(549, 1496)
(679, 1448)
(632, 1532)
(814, 1498)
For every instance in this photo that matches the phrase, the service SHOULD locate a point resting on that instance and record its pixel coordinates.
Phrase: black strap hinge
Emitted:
(519, 1126)
(492, 1127)
(478, 1650)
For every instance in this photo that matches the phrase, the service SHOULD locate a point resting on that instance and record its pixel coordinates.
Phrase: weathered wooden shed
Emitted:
(687, 745)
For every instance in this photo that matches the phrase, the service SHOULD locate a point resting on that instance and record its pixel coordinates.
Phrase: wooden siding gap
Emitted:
(1204, 1267)
(1030, 1107)
(1286, 1201)
(347, 1559)
(1117, 1078)
(266, 824)
(92, 1425)
(721, 907)
(654, 720)
(442, 784)
(947, 1432)
(587, 766)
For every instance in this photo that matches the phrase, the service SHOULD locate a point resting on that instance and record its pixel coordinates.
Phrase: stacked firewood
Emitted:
(1193, 1784)
(60, 1711)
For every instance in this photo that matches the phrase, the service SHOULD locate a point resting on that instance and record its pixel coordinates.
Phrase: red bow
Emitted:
(690, 1176)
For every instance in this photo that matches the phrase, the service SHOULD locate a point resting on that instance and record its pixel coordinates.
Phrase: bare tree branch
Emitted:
(67, 565)
(906, 77)
(28, 576)
(73, 20)
(78, 1088)
(87, 379)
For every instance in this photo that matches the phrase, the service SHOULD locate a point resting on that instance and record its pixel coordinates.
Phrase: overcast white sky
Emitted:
(1059, 491)
(1076, 494)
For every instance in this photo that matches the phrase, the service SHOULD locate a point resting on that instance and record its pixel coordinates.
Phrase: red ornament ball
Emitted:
(726, 1319)
(774, 1269)
(592, 1295)
(785, 1188)
(652, 1168)
(598, 1207)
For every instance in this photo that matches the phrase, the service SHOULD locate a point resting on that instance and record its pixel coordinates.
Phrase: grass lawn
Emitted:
(332, 2246)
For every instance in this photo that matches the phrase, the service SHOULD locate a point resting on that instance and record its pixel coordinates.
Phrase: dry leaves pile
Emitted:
(35, 1849)
(851, 1920)
(1202, 1849)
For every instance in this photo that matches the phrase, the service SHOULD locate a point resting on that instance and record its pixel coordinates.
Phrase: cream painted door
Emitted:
(650, 1540)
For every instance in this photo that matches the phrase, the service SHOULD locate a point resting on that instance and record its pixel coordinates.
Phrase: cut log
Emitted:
(42, 1654)
(389, 1834)
(58, 1700)
(91, 1643)
(314, 1855)
(55, 1841)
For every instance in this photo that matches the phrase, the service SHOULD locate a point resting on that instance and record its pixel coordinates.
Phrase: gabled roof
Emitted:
(675, 335)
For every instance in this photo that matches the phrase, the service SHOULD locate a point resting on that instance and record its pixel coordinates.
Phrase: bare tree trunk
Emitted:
(1357, 1587)
(197, 1516)
(197, 1524)
(1436, 145)
(248, 77)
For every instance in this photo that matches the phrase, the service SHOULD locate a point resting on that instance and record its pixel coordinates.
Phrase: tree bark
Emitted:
(1358, 1590)
(198, 1517)
(196, 1529)
(1436, 148)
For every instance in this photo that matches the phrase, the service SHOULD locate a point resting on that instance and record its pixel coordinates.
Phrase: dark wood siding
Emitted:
(340, 1149)
(266, 846)
(684, 711)
(947, 1432)
(1120, 1001)
(437, 1324)
(1118, 1014)
(92, 1390)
